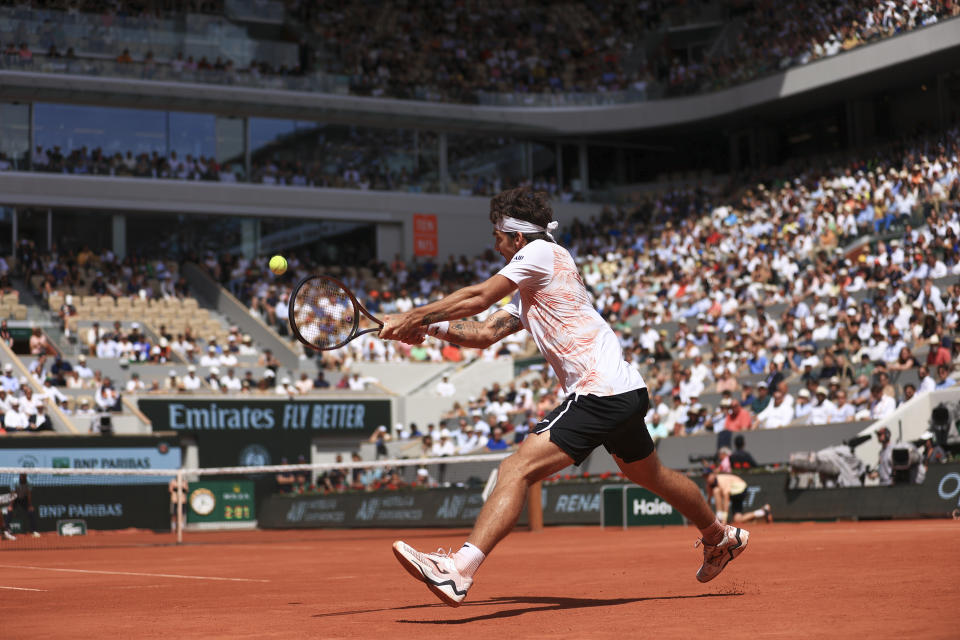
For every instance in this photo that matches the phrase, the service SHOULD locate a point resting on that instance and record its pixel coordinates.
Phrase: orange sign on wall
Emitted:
(424, 234)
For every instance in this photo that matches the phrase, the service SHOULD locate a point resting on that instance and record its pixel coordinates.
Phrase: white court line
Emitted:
(131, 573)
(21, 589)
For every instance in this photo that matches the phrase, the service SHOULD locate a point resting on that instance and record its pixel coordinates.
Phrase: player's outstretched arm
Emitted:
(462, 303)
(480, 335)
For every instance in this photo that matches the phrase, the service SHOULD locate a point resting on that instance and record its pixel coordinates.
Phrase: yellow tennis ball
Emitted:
(278, 264)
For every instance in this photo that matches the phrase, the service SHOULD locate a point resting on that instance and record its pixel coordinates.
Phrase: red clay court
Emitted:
(890, 579)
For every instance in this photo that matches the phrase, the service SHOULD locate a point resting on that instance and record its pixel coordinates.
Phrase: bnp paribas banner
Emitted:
(260, 431)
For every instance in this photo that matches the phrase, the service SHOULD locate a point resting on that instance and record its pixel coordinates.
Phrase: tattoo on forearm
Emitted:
(464, 329)
(430, 318)
(506, 325)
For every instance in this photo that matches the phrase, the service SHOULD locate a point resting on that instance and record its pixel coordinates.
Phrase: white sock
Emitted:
(468, 559)
(759, 513)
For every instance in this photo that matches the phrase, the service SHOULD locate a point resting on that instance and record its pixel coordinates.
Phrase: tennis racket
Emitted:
(325, 315)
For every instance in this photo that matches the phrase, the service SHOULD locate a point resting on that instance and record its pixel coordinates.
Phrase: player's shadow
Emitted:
(531, 604)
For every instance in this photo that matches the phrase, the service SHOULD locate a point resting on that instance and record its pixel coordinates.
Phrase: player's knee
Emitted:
(515, 468)
(648, 472)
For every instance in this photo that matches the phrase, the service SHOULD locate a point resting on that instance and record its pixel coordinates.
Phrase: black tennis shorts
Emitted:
(736, 505)
(582, 422)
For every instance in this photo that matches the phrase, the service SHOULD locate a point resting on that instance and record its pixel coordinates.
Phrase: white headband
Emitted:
(508, 224)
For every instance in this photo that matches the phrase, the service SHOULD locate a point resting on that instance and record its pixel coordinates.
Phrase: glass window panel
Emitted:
(230, 147)
(73, 230)
(14, 136)
(179, 236)
(485, 165)
(193, 134)
(323, 155)
(112, 130)
(322, 241)
(544, 158)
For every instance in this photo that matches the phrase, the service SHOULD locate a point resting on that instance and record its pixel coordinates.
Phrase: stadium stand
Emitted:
(792, 277)
(624, 50)
(863, 301)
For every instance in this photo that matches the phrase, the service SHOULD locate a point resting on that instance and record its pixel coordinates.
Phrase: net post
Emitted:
(181, 497)
(535, 506)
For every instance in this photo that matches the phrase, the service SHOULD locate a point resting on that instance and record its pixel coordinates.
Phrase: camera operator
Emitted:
(884, 472)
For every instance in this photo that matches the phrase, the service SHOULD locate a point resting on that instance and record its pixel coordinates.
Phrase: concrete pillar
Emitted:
(559, 164)
(390, 241)
(584, 168)
(442, 157)
(250, 237)
(14, 232)
(119, 224)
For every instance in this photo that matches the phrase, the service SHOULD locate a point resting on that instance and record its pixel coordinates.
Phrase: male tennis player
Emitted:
(729, 492)
(606, 402)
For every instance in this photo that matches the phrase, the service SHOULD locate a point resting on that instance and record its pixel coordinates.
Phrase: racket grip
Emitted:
(439, 329)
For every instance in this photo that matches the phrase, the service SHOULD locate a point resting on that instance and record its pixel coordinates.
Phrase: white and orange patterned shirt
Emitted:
(554, 306)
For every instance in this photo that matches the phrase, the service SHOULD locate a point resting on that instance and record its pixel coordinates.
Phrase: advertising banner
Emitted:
(582, 503)
(260, 431)
(571, 503)
(221, 501)
(633, 506)
(97, 507)
(425, 508)
(424, 234)
(562, 504)
(112, 458)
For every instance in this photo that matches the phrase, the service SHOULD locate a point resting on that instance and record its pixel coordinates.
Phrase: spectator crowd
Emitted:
(461, 51)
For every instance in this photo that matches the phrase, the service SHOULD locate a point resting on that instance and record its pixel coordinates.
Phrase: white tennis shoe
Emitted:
(716, 556)
(437, 570)
(9, 536)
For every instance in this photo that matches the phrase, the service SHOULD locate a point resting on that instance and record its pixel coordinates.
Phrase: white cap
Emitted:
(191, 369)
(927, 435)
(173, 372)
(214, 370)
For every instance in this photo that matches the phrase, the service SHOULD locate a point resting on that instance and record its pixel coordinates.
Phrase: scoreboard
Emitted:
(220, 501)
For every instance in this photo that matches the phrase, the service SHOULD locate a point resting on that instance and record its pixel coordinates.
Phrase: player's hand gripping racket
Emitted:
(325, 315)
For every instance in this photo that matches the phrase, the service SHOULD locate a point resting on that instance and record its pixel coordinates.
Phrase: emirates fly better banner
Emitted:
(258, 431)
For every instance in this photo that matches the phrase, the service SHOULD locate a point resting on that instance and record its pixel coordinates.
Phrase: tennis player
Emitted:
(728, 492)
(606, 398)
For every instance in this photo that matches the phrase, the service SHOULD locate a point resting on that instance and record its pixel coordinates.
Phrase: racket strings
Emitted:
(324, 313)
